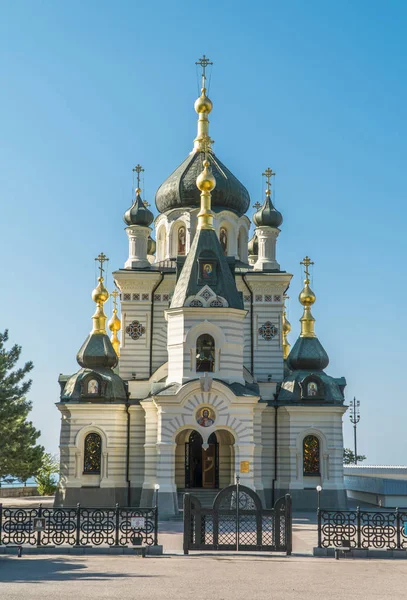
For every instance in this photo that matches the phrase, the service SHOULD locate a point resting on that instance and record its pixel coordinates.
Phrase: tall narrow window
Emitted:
(92, 454)
(205, 353)
(223, 238)
(181, 241)
(311, 460)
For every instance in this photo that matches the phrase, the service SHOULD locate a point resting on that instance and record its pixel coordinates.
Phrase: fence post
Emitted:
(78, 523)
(358, 526)
(1, 522)
(39, 530)
(288, 525)
(117, 524)
(319, 516)
(187, 522)
(156, 525)
(398, 525)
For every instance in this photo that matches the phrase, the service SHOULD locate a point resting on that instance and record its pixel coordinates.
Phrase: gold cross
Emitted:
(206, 144)
(102, 258)
(257, 205)
(146, 204)
(268, 174)
(306, 262)
(138, 169)
(204, 62)
(114, 296)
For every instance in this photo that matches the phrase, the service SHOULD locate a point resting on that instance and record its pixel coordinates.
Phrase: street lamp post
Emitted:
(319, 490)
(354, 419)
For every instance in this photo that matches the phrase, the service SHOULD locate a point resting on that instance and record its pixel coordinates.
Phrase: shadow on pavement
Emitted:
(20, 570)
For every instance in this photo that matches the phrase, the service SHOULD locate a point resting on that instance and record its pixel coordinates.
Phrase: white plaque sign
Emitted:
(138, 522)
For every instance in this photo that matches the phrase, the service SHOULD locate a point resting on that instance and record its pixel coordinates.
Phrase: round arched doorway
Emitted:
(208, 465)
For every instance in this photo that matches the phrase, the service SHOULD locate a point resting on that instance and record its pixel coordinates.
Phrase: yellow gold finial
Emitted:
(99, 296)
(286, 330)
(115, 324)
(307, 299)
(206, 182)
(203, 107)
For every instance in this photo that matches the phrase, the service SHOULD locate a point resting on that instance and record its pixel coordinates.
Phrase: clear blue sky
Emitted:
(316, 90)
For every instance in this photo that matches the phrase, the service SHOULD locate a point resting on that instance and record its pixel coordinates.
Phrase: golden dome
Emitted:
(114, 322)
(100, 293)
(206, 182)
(203, 104)
(286, 325)
(307, 296)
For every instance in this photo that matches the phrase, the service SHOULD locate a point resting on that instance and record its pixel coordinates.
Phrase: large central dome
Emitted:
(180, 191)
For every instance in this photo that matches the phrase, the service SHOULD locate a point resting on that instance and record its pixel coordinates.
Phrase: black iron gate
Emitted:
(237, 521)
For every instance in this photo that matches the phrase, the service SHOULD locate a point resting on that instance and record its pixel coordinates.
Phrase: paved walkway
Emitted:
(224, 577)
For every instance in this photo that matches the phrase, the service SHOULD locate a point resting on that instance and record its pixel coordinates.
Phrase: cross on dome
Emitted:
(204, 62)
(102, 258)
(306, 262)
(268, 174)
(114, 295)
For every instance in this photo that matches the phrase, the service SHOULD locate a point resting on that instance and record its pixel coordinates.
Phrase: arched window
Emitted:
(311, 459)
(181, 241)
(92, 455)
(205, 353)
(223, 238)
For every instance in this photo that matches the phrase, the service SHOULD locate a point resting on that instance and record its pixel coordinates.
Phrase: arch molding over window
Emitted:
(92, 455)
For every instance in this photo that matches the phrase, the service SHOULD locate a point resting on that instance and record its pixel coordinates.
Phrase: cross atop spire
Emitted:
(268, 174)
(257, 205)
(138, 169)
(204, 62)
(114, 295)
(102, 258)
(306, 262)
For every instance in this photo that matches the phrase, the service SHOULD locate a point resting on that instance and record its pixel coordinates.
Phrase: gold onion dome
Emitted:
(206, 182)
(307, 296)
(203, 104)
(100, 294)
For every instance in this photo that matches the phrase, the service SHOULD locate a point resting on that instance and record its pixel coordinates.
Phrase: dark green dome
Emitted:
(308, 354)
(97, 351)
(138, 214)
(180, 191)
(267, 215)
(253, 246)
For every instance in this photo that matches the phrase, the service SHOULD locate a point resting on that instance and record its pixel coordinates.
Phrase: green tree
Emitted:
(349, 457)
(20, 456)
(46, 477)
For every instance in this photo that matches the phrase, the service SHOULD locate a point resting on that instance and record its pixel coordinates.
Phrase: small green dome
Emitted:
(267, 215)
(97, 351)
(253, 246)
(151, 246)
(308, 354)
(138, 214)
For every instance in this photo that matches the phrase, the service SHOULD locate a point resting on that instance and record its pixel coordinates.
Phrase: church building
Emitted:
(202, 386)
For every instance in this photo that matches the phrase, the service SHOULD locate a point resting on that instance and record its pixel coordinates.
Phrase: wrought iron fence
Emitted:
(363, 529)
(78, 526)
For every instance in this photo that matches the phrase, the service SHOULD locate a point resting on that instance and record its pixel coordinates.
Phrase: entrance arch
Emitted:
(205, 465)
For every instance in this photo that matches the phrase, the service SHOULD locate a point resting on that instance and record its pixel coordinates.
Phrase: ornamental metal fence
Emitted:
(363, 529)
(79, 526)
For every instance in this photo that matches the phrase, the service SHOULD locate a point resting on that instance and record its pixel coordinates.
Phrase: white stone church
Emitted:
(202, 386)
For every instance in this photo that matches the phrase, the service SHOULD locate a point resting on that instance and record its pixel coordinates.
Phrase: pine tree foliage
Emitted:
(20, 456)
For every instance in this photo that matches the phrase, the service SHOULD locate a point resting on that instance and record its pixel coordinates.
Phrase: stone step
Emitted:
(206, 497)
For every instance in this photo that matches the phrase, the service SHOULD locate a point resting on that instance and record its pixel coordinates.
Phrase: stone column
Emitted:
(150, 454)
(138, 240)
(267, 238)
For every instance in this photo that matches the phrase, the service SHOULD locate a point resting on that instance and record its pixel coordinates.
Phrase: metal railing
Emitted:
(363, 529)
(78, 526)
